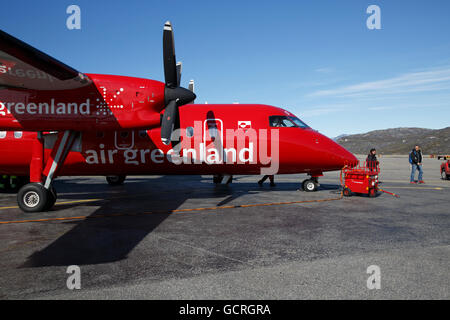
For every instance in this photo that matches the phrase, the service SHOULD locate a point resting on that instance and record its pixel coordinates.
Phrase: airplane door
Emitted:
(124, 140)
(213, 137)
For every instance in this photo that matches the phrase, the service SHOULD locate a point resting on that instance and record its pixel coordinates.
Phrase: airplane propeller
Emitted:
(174, 95)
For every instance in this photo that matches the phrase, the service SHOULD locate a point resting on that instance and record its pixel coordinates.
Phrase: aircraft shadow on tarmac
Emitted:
(110, 239)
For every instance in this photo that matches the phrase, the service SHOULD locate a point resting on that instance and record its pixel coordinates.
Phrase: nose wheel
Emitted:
(310, 185)
(34, 197)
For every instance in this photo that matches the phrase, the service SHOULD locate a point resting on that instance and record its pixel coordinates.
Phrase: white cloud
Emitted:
(433, 80)
(324, 70)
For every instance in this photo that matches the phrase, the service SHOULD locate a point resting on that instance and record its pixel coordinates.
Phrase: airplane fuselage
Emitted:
(215, 139)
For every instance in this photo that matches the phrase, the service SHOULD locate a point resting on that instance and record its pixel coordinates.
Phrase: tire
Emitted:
(33, 197)
(115, 180)
(52, 196)
(347, 192)
(309, 185)
(372, 193)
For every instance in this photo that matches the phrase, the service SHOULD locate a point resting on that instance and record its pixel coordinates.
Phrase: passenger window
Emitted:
(2, 134)
(189, 132)
(18, 134)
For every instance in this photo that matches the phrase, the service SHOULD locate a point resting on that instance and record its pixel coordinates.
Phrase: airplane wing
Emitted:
(22, 66)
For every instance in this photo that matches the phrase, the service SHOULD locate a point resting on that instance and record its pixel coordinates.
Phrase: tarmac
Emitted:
(182, 237)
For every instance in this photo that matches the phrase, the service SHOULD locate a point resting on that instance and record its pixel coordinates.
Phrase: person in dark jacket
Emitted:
(415, 158)
(371, 160)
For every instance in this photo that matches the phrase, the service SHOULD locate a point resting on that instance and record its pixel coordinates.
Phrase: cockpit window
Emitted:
(286, 121)
(299, 122)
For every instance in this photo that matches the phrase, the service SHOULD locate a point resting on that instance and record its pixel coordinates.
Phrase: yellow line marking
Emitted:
(62, 203)
(87, 200)
(175, 211)
(429, 188)
(4, 208)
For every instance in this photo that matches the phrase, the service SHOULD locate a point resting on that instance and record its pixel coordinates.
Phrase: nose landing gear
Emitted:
(311, 185)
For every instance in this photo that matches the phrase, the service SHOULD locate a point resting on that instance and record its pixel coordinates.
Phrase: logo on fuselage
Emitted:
(244, 125)
(207, 142)
(52, 108)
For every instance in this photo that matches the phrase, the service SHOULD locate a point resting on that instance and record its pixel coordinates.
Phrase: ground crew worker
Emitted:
(371, 160)
(271, 178)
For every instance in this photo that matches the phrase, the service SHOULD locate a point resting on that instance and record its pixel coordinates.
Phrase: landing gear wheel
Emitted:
(52, 196)
(33, 197)
(347, 192)
(115, 180)
(372, 193)
(310, 185)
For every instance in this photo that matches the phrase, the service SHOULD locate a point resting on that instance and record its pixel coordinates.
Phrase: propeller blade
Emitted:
(191, 87)
(179, 70)
(180, 95)
(170, 68)
(169, 122)
(174, 95)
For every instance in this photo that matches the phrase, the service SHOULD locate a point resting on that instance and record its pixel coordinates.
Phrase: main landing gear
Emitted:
(218, 178)
(310, 185)
(40, 195)
(115, 180)
(34, 197)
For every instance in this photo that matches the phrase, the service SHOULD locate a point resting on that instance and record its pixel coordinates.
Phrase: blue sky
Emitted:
(315, 58)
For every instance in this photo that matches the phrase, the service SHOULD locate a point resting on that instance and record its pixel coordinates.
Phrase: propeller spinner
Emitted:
(174, 95)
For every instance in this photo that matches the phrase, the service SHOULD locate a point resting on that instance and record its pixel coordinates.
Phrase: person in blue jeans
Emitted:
(415, 158)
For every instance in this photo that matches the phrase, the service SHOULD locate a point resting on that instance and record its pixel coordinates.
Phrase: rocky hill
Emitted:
(398, 141)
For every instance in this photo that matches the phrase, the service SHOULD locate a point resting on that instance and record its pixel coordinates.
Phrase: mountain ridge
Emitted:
(398, 140)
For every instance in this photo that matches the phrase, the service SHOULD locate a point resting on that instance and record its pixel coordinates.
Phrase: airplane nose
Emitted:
(339, 156)
(346, 158)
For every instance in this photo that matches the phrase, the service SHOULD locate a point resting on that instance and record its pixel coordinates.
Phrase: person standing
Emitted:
(371, 160)
(415, 159)
(271, 178)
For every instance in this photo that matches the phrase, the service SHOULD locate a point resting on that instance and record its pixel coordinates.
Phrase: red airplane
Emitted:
(57, 121)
